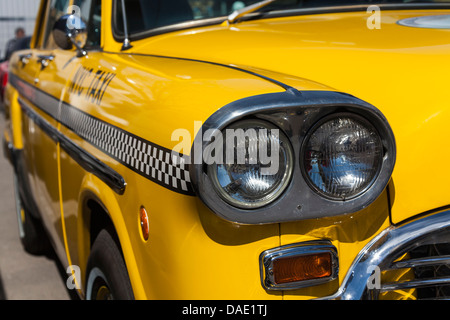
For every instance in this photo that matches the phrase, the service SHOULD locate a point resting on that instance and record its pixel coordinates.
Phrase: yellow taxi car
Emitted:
(221, 149)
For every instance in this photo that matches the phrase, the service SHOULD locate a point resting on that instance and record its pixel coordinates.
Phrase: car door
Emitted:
(52, 69)
(77, 96)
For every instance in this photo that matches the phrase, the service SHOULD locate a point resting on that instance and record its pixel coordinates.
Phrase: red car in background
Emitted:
(21, 44)
(3, 77)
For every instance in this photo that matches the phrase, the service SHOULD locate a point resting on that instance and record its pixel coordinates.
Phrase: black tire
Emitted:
(107, 276)
(34, 239)
(32, 234)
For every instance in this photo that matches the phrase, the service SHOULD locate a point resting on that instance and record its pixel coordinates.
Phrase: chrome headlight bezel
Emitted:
(295, 114)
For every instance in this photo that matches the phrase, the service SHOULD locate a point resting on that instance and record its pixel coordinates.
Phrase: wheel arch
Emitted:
(99, 209)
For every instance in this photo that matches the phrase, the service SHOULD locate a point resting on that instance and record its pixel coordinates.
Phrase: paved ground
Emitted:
(23, 276)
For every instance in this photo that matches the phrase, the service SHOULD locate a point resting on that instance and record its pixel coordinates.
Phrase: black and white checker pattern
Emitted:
(154, 162)
(158, 164)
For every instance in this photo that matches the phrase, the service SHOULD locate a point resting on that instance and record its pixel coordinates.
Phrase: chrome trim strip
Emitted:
(388, 245)
(421, 262)
(267, 258)
(415, 284)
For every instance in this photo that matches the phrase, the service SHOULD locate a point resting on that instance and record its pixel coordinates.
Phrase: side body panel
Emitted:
(40, 149)
(188, 245)
(191, 253)
(103, 103)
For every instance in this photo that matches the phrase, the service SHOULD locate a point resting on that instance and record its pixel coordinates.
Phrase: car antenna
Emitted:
(126, 42)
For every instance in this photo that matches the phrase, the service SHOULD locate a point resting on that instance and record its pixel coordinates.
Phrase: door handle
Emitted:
(44, 60)
(25, 58)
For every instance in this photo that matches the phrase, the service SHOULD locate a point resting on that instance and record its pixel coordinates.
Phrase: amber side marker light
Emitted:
(143, 221)
(298, 265)
(301, 268)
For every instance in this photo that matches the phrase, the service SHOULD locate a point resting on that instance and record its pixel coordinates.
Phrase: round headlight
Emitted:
(256, 167)
(342, 156)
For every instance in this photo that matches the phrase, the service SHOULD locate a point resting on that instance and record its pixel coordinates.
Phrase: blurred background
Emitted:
(16, 14)
(22, 276)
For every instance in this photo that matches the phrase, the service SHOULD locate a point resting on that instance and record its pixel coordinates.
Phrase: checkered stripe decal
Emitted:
(154, 162)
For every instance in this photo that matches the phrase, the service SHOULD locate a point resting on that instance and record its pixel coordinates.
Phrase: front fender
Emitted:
(92, 188)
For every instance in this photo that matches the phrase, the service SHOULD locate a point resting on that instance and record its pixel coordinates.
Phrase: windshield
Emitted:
(146, 15)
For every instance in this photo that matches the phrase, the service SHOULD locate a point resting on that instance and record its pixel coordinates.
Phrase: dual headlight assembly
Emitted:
(284, 157)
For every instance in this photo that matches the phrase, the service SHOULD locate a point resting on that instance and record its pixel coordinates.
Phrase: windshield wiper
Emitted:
(248, 9)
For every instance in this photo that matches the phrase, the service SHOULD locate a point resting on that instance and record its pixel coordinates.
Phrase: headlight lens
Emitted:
(257, 164)
(342, 156)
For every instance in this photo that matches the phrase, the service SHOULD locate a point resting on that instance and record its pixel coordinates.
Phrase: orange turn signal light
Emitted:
(300, 268)
(143, 221)
(299, 265)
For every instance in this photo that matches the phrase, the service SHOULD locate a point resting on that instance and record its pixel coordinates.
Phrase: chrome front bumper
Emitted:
(384, 251)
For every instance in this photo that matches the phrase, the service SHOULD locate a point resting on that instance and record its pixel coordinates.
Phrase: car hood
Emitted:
(403, 71)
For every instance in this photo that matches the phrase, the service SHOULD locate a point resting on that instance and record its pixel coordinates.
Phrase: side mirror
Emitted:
(69, 31)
